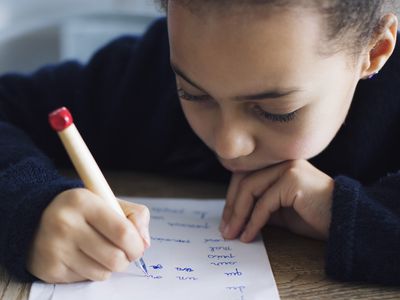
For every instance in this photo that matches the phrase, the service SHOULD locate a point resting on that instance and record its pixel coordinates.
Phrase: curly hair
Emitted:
(350, 23)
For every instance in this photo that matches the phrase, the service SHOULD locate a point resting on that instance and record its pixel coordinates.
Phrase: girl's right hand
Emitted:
(80, 238)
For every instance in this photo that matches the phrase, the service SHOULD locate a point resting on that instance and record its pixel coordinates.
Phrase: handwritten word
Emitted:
(201, 213)
(160, 239)
(154, 276)
(156, 267)
(167, 210)
(223, 263)
(235, 273)
(220, 248)
(157, 217)
(239, 288)
(221, 256)
(184, 269)
(213, 240)
(198, 226)
(191, 278)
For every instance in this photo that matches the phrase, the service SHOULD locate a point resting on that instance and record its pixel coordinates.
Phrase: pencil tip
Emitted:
(144, 268)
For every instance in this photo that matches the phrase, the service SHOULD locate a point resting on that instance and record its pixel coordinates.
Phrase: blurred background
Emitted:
(37, 32)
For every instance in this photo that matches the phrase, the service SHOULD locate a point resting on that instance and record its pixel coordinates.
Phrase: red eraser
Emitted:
(60, 119)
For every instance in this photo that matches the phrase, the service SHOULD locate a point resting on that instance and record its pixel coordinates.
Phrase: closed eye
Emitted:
(189, 97)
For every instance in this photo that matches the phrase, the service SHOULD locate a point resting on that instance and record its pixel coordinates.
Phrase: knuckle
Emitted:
(77, 198)
(62, 223)
(294, 172)
(144, 212)
(122, 233)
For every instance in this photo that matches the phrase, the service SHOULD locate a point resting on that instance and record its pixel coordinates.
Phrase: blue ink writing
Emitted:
(197, 226)
(220, 248)
(160, 239)
(167, 210)
(191, 278)
(154, 276)
(213, 240)
(234, 273)
(156, 267)
(201, 213)
(239, 288)
(221, 256)
(223, 263)
(184, 269)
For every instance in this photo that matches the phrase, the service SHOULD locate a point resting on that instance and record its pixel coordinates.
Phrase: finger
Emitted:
(102, 250)
(139, 215)
(269, 203)
(71, 276)
(251, 188)
(119, 230)
(57, 273)
(88, 268)
(230, 198)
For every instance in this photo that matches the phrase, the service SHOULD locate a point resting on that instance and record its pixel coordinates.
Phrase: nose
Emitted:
(233, 141)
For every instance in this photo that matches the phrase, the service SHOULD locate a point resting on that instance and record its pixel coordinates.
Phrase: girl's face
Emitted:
(254, 87)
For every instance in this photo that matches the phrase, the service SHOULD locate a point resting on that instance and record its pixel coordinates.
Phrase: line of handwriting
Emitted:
(190, 278)
(186, 269)
(221, 256)
(233, 273)
(168, 210)
(196, 226)
(220, 248)
(160, 239)
(239, 288)
(223, 263)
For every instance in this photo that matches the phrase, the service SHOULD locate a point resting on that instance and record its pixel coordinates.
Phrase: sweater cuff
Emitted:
(25, 214)
(340, 246)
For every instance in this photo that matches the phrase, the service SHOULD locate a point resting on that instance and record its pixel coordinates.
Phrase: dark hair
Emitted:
(350, 23)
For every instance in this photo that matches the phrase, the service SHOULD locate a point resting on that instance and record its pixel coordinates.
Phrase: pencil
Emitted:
(62, 122)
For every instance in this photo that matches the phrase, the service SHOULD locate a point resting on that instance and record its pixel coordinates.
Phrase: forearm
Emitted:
(364, 238)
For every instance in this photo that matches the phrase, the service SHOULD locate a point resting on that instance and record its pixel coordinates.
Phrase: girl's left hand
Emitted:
(293, 194)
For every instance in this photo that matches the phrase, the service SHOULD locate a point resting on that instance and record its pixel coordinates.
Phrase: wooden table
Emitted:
(297, 262)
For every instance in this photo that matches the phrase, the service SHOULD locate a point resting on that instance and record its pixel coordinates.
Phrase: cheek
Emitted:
(311, 138)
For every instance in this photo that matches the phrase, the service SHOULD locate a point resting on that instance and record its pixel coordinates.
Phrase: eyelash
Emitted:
(285, 118)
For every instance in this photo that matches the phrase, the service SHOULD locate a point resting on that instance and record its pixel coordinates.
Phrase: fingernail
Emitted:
(226, 230)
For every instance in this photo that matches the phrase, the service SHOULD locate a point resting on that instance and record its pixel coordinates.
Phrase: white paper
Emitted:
(188, 259)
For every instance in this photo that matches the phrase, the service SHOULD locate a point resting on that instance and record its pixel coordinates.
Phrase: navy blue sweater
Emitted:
(130, 83)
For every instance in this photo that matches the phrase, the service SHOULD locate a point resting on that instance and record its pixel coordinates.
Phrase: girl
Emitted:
(271, 90)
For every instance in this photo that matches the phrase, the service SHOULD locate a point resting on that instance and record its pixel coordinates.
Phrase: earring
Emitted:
(371, 75)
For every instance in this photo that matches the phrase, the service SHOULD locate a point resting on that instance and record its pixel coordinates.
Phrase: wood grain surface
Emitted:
(297, 262)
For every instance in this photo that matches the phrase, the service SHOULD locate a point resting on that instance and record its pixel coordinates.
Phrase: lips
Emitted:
(240, 168)
(236, 168)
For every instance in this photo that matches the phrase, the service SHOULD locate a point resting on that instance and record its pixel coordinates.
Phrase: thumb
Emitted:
(139, 215)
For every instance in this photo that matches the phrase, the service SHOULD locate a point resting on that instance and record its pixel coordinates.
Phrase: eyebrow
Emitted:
(270, 94)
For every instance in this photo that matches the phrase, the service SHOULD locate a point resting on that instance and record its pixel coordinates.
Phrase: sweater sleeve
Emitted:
(29, 150)
(364, 242)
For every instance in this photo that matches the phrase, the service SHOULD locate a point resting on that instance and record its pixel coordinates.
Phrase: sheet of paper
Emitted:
(188, 259)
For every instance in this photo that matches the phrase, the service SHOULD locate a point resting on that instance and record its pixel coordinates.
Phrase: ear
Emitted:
(381, 47)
